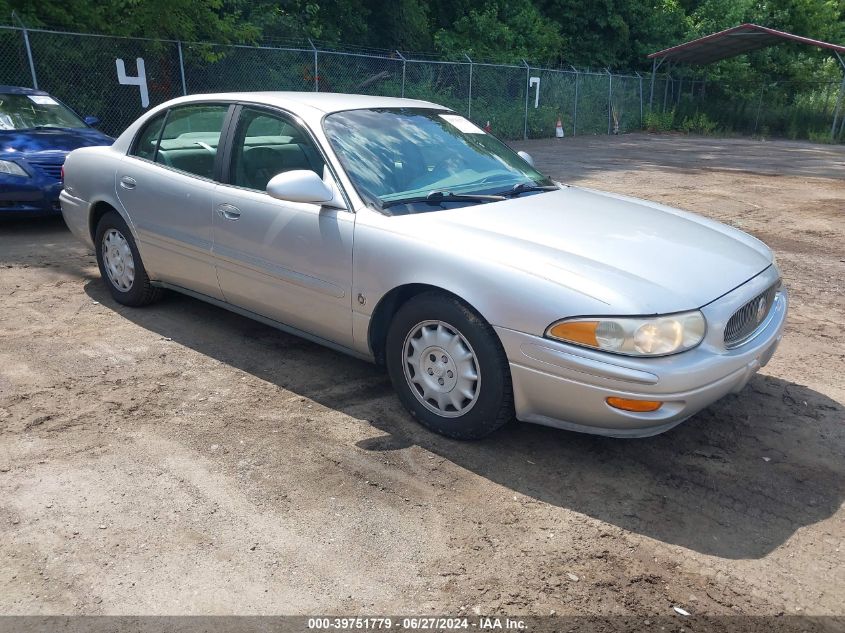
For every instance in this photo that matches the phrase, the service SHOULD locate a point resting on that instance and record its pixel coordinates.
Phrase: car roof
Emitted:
(20, 90)
(326, 102)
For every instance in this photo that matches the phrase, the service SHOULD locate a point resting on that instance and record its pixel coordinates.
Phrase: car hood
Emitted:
(25, 142)
(633, 256)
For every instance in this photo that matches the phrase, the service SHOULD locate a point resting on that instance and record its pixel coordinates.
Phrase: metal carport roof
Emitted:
(735, 41)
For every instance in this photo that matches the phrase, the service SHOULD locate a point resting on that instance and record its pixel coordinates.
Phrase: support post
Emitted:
(609, 101)
(404, 63)
(29, 57)
(666, 86)
(469, 96)
(838, 99)
(759, 105)
(316, 67)
(527, 86)
(575, 107)
(654, 66)
(641, 97)
(182, 68)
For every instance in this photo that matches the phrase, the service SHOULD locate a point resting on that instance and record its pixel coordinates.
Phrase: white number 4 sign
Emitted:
(139, 80)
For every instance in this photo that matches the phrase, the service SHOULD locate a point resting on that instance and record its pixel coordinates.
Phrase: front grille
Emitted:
(749, 317)
(51, 170)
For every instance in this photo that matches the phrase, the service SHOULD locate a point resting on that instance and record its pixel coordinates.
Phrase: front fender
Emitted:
(386, 257)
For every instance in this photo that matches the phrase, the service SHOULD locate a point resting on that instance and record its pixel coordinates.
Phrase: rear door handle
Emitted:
(228, 211)
(127, 182)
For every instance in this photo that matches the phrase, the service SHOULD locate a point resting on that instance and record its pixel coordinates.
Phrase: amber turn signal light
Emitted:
(583, 332)
(637, 406)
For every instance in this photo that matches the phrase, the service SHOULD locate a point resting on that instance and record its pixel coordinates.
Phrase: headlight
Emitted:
(633, 336)
(12, 169)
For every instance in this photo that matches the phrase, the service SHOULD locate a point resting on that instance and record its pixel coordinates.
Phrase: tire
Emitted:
(426, 356)
(120, 263)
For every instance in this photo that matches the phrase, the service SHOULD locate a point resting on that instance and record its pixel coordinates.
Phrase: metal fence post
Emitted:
(641, 97)
(182, 68)
(609, 100)
(404, 62)
(527, 82)
(316, 67)
(759, 105)
(575, 107)
(469, 96)
(651, 93)
(29, 57)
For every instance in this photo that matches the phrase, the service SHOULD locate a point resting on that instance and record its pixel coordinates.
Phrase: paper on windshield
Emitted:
(42, 99)
(463, 125)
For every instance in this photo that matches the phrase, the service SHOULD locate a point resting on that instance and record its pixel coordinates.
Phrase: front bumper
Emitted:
(29, 197)
(566, 386)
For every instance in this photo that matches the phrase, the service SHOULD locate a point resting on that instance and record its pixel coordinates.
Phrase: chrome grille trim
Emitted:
(750, 318)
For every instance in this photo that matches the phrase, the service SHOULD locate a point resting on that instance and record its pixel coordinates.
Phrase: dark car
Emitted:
(36, 134)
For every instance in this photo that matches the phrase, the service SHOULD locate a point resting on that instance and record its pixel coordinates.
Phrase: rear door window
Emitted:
(191, 137)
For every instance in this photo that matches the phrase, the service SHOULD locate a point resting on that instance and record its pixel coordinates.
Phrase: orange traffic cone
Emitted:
(487, 127)
(559, 129)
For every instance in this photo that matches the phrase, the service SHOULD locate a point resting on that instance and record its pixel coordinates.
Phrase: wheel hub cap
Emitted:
(118, 260)
(441, 368)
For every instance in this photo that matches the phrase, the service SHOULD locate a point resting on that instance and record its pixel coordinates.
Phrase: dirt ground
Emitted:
(180, 459)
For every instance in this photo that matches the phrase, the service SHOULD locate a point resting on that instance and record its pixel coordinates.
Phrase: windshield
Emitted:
(398, 154)
(21, 112)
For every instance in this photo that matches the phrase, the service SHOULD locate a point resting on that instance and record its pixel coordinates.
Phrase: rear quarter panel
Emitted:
(90, 174)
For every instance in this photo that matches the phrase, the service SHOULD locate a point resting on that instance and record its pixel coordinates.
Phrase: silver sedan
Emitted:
(400, 232)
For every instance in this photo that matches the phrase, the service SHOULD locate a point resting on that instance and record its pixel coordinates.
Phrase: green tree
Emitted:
(209, 20)
(503, 31)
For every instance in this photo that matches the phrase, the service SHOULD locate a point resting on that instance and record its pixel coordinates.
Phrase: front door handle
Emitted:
(228, 211)
(127, 182)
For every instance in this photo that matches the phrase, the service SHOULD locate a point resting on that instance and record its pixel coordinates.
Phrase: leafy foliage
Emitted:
(613, 33)
(794, 80)
(698, 124)
(659, 121)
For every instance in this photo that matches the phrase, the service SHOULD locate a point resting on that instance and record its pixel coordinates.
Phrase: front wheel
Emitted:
(448, 367)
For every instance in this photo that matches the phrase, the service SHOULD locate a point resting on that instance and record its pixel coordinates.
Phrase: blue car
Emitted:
(36, 134)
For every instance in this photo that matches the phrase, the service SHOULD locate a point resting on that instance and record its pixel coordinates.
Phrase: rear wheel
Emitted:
(448, 367)
(120, 263)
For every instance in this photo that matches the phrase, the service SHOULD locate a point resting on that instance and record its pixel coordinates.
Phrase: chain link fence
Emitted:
(117, 79)
(14, 64)
(812, 110)
(446, 83)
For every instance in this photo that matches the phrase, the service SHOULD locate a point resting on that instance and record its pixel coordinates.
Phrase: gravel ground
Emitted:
(180, 459)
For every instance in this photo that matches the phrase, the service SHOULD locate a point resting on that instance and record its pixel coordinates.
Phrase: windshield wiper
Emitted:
(438, 197)
(525, 187)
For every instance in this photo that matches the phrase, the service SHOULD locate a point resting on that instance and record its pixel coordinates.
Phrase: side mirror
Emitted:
(526, 157)
(300, 185)
(91, 120)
